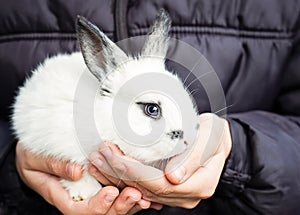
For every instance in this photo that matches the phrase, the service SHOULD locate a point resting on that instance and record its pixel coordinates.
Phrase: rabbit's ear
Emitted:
(157, 41)
(100, 54)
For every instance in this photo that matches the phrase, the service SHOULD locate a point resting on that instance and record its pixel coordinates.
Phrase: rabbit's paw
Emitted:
(83, 189)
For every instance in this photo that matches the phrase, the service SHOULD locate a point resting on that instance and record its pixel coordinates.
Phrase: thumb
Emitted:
(178, 172)
(63, 169)
(206, 143)
(50, 165)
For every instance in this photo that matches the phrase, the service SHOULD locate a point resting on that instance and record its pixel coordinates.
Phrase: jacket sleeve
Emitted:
(15, 196)
(262, 173)
(6, 140)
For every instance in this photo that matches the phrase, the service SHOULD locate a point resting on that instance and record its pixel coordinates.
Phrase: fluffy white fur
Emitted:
(43, 113)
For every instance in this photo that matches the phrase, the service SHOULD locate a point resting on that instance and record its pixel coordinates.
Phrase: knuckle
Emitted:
(207, 193)
(27, 158)
(165, 191)
(99, 211)
(53, 166)
(26, 154)
(190, 204)
(119, 209)
(121, 212)
(49, 165)
(148, 195)
(25, 163)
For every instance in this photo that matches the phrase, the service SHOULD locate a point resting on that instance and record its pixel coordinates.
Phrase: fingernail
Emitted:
(107, 152)
(98, 163)
(95, 174)
(109, 198)
(121, 167)
(130, 201)
(144, 204)
(70, 170)
(179, 173)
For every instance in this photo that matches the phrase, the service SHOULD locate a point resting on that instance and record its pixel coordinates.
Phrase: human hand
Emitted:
(188, 178)
(42, 174)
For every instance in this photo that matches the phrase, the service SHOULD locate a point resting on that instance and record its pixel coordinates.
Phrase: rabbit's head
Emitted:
(145, 123)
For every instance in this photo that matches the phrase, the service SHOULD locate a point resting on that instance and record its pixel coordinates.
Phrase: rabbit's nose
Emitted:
(177, 134)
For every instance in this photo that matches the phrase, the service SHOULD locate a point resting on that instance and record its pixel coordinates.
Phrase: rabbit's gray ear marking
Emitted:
(157, 41)
(100, 54)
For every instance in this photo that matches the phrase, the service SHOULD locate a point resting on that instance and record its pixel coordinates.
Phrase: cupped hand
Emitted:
(188, 178)
(42, 174)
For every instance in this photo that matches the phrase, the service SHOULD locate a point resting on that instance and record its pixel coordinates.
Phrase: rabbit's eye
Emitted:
(152, 110)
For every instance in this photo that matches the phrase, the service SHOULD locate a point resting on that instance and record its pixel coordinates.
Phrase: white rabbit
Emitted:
(43, 117)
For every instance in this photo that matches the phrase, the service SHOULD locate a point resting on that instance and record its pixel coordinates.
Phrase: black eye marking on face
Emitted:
(152, 110)
(177, 134)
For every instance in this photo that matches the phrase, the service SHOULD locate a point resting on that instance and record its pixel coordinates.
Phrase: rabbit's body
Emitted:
(43, 117)
(46, 107)
(43, 111)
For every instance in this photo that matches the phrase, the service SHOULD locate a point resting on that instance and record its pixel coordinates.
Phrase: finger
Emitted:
(104, 171)
(50, 188)
(99, 161)
(138, 208)
(146, 178)
(187, 203)
(181, 167)
(165, 197)
(134, 210)
(156, 206)
(201, 185)
(208, 139)
(204, 181)
(98, 204)
(118, 164)
(105, 179)
(126, 201)
(63, 169)
(144, 204)
(107, 160)
(213, 128)
(100, 177)
(212, 173)
(184, 200)
(160, 190)
(114, 148)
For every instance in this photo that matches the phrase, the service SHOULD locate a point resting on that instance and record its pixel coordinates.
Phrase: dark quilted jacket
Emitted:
(254, 47)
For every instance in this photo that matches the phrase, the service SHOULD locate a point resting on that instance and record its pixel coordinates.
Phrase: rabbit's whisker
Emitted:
(223, 108)
(197, 78)
(193, 91)
(191, 71)
(184, 81)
